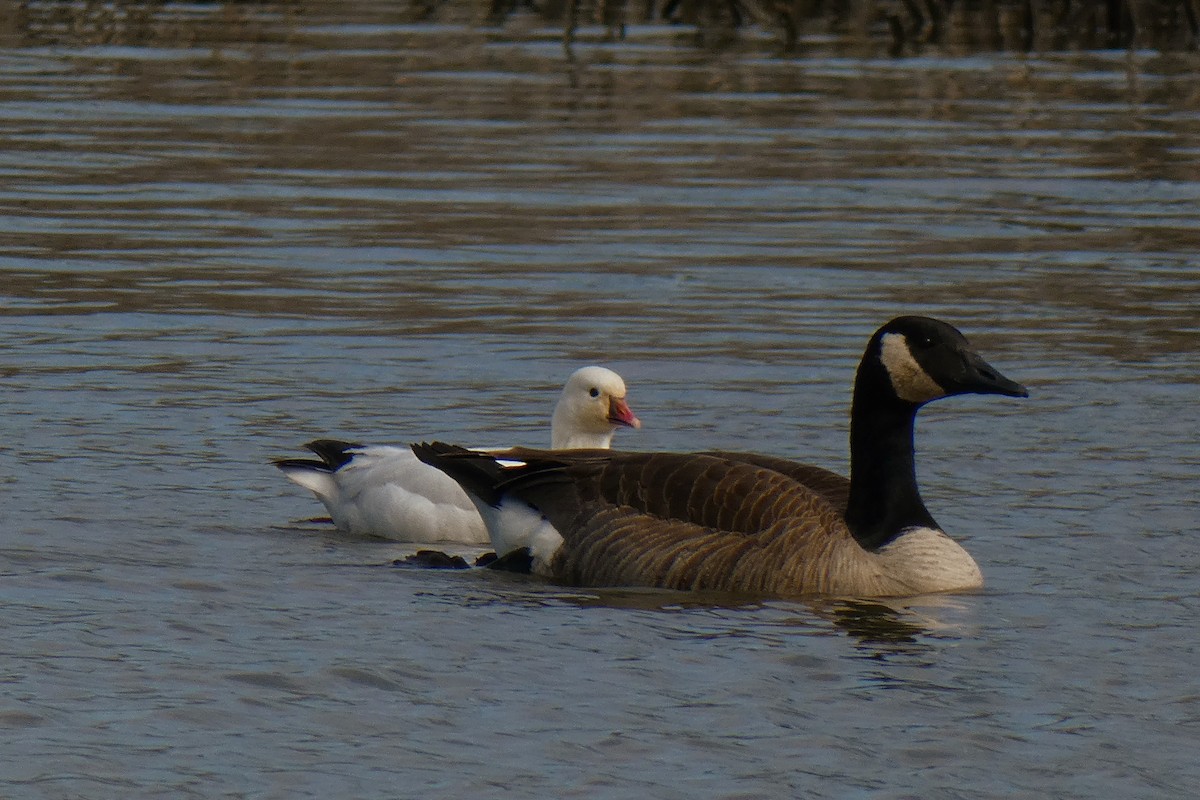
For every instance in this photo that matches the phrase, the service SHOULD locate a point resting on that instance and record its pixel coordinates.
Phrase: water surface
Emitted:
(251, 230)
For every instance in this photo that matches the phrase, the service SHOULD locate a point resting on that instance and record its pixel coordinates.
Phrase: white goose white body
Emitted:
(386, 492)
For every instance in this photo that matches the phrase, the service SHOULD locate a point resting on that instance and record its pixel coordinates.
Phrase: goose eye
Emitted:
(594, 392)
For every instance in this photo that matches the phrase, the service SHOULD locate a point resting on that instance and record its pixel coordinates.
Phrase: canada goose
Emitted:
(385, 491)
(744, 522)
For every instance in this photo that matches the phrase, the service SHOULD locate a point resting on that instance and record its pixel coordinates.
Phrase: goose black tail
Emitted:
(334, 453)
(301, 465)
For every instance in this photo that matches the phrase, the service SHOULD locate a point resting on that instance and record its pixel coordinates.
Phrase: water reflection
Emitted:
(880, 626)
(874, 623)
(876, 27)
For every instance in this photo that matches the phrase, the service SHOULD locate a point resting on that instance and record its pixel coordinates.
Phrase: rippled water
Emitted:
(259, 227)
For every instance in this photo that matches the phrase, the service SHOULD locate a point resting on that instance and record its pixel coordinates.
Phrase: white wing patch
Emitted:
(508, 463)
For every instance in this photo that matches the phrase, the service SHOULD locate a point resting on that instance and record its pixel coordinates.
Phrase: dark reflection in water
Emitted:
(875, 623)
(894, 626)
(880, 628)
(901, 28)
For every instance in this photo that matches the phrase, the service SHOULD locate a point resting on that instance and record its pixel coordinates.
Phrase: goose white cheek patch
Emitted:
(908, 379)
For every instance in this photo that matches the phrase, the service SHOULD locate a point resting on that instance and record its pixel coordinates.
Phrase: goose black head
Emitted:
(924, 359)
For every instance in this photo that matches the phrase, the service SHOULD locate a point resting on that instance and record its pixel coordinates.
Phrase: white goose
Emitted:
(387, 492)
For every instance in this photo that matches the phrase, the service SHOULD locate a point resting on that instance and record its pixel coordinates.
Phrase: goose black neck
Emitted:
(884, 499)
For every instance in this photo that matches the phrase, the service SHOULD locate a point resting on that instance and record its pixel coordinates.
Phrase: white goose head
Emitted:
(589, 411)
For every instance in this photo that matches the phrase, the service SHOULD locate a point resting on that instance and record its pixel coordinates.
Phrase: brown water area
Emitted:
(229, 228)
(902, 27)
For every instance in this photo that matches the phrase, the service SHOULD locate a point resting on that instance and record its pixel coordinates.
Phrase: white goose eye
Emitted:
(594, 392)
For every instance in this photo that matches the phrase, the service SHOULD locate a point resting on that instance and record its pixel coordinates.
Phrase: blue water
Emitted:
(249, 231)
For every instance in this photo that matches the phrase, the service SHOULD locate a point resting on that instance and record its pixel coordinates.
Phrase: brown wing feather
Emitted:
(716, 522)
(835, 487)
(709, 491)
